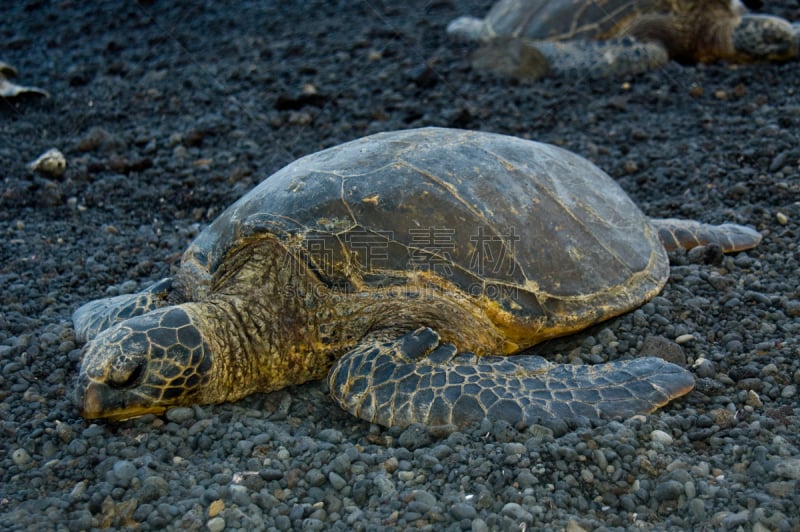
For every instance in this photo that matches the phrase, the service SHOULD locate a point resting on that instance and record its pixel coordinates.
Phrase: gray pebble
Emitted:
(479, 525)
(239, 495)
(315, 477)
(336, 481)
(788, 468)
(414, 437)
(668, 490)
(516, 512)
(423, 497)
(179, 414)
(462, 510)
(330, 436)
(705, 368)
(124, 471)
(698, 508)
(153, 488)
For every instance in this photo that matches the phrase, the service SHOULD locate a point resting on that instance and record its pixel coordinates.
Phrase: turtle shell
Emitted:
(527, 227)
(584, 19)
(562, 19)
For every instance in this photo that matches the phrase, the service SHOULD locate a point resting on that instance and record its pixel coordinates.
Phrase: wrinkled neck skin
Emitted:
(272, 323)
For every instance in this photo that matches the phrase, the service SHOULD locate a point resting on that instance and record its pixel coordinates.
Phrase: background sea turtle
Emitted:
(531, 38)
(362, 256)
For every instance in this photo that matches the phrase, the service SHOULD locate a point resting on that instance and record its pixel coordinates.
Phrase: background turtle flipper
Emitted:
(524, 59)
(687, 234)
(414, 379)
(100, 314)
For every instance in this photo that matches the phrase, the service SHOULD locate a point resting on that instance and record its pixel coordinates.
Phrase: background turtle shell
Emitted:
(535, 228)
(579, 19)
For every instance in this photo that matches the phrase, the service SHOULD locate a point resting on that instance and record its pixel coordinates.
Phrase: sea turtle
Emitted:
(594, 38)
(389, 263)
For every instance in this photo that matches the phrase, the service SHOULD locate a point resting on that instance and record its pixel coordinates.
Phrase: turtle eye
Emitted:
(125, 376)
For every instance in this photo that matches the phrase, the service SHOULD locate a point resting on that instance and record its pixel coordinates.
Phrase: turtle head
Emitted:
(144, 365)
(765, 38)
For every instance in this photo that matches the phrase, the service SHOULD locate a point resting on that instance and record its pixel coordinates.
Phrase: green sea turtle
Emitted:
(389, 264)
(594, 38)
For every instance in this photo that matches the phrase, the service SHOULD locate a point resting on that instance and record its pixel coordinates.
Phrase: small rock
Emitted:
(215, 524)
(124, 471)
(331, 436)
(753, 399)
(661, 437)
(239, 495)
(424, 497)
(789, 391)
(414, 437)
(336, 481)
(216, 507)
(51, 163)
(462, 510)
(153, 487)
(734, 520)
(705, 368)
(516, 512)
(668, 490)
(788, 468)
(698, 508)
(180, 414)
(20, 457)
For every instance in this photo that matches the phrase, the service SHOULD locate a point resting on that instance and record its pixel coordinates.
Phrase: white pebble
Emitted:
(661, 437)
(216, 524)
(20, 457)
(51, 163)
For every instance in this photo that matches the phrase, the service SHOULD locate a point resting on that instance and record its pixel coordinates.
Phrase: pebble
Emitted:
(462, 510)
(705, 368)
(659, 436)
(336, 481)
(179, 414)
(668, 490)
(20, 457)
(788, 468)
(517, 513)
(124, 471)
(215, 524)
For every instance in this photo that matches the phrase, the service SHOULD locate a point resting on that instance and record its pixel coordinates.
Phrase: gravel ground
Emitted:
(168, 111)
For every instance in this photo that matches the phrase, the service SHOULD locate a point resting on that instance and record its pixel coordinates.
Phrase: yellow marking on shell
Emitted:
(372, 200)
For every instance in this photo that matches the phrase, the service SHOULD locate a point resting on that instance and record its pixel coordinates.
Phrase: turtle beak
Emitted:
(96, 400)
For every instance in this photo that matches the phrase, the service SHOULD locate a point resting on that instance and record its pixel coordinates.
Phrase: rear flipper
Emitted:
(525, 59)
(100, 314)
(414, 379)
(687, 234)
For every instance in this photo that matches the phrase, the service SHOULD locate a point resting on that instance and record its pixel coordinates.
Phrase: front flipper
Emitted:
(100, 314)
(765, 38)
(525, 59)
(414, 379)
